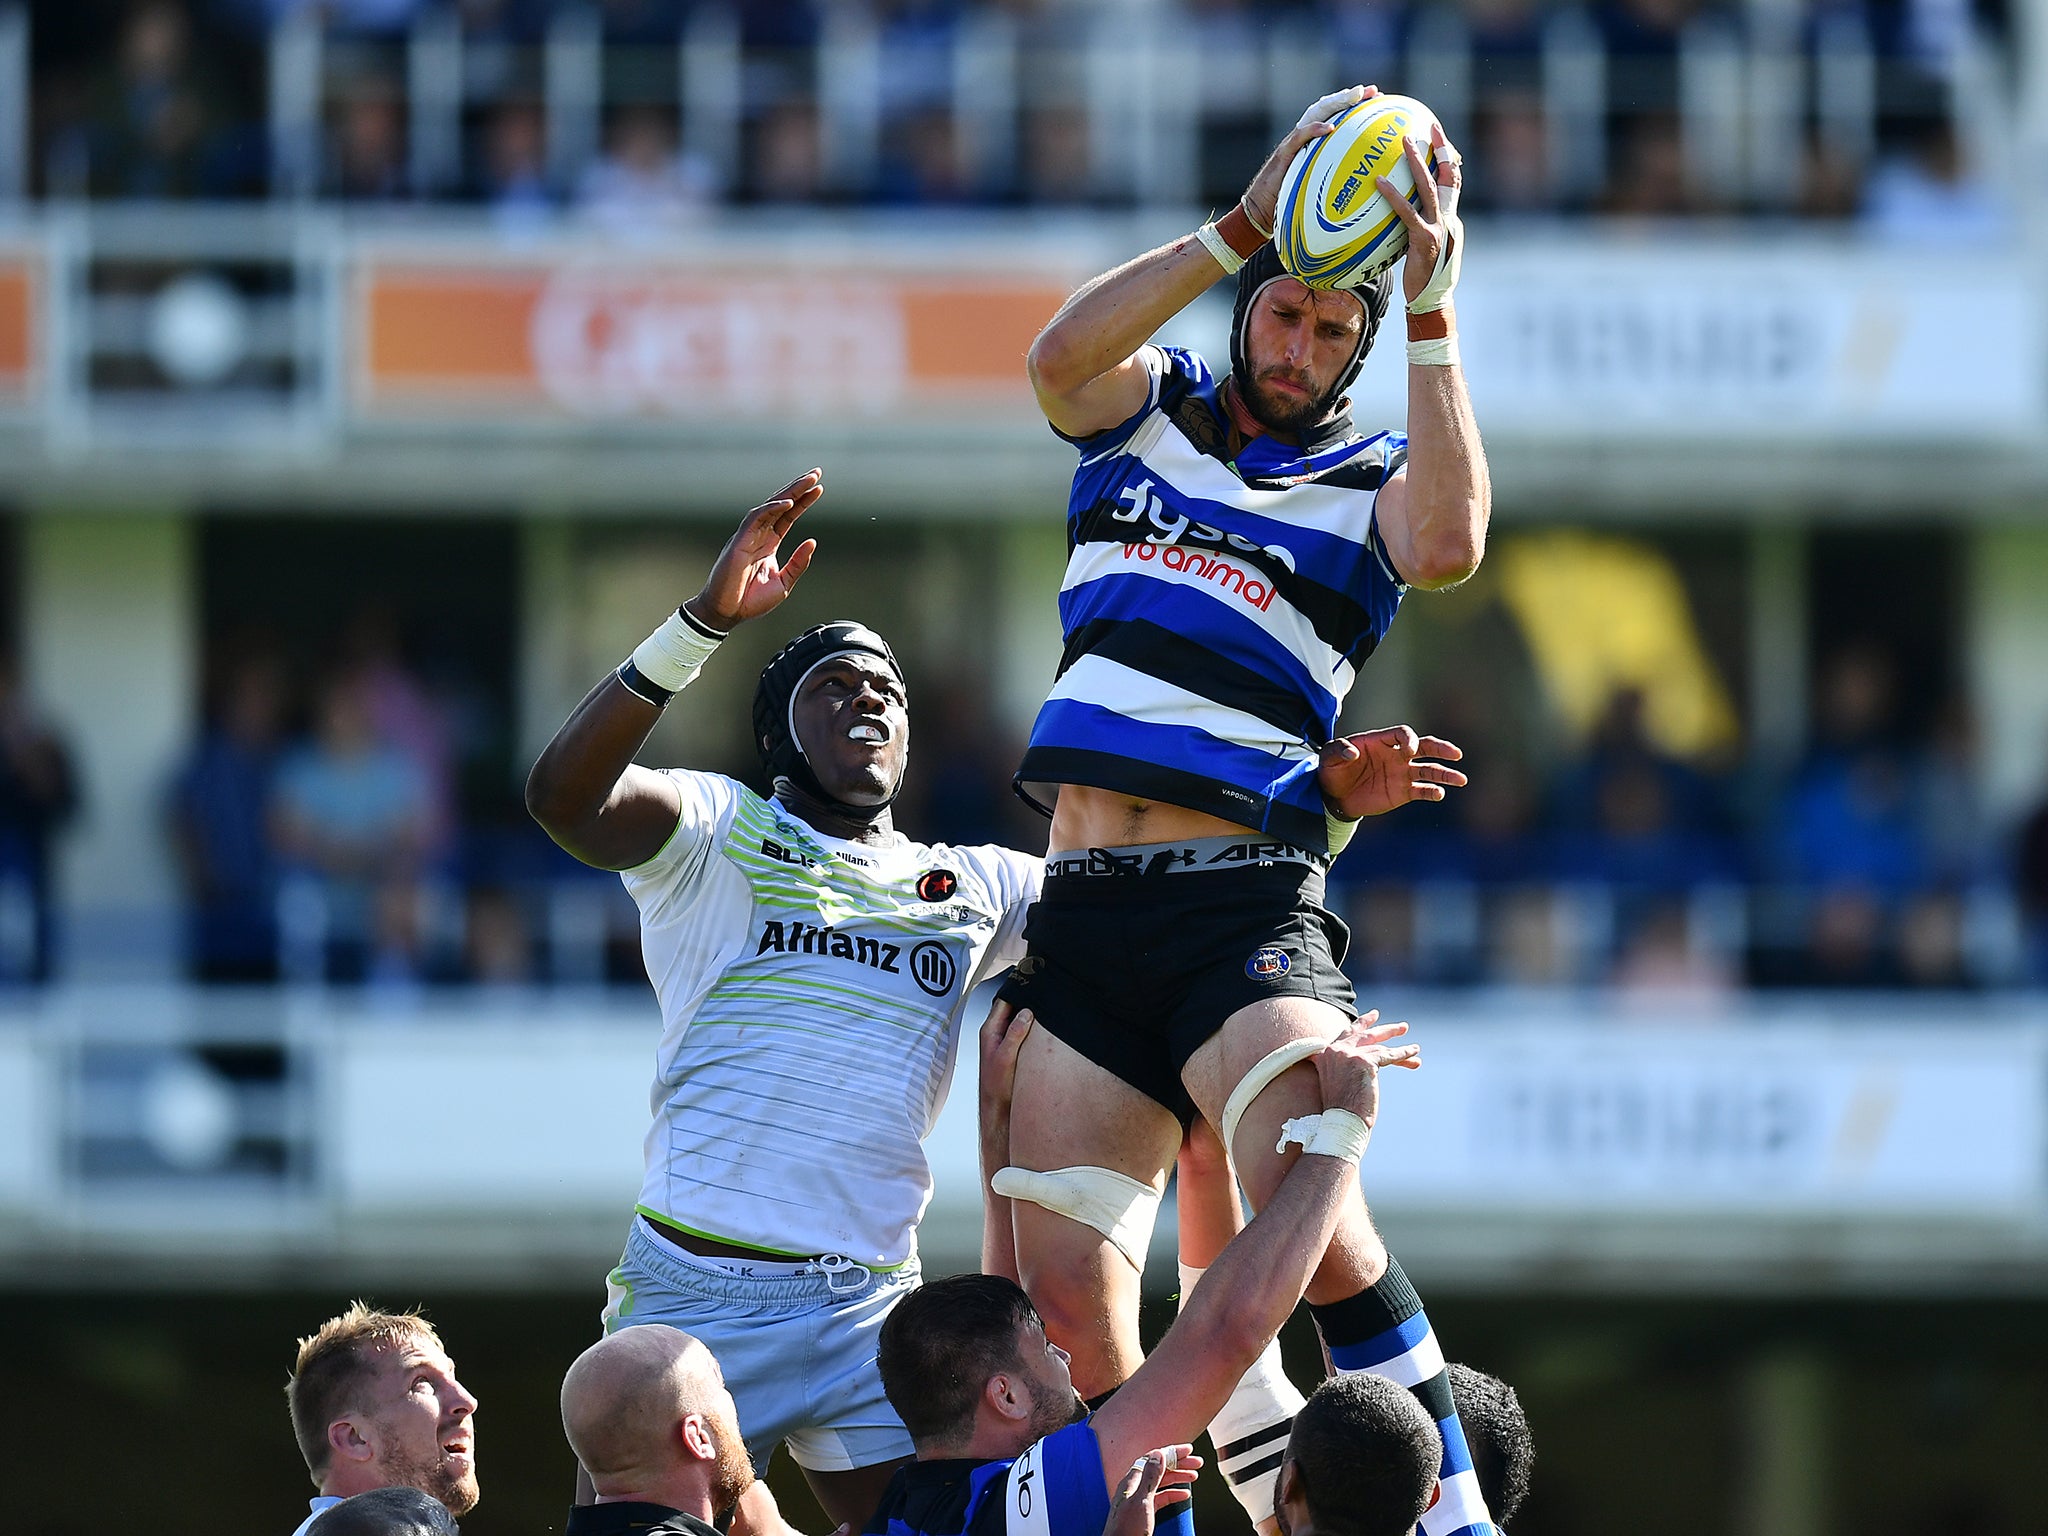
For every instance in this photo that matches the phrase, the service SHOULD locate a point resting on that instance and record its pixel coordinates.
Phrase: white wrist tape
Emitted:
(1339, 830)
(1333, 1133)
(1114, 1204)
(674, 654)
(1436, 293)
(1442, 352)
(1226, 258)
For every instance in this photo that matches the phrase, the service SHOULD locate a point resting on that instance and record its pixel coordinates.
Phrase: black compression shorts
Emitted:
(1137, 955)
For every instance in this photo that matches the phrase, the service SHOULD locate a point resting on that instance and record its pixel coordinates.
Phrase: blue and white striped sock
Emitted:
(1384, 1331)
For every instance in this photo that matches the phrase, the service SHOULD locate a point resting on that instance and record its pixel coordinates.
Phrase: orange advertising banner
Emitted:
(725, 342)
(18, 330)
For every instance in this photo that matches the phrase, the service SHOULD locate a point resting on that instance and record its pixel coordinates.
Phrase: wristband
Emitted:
(1439, 353)
(1338, 829)
(1334, 1133)
(1241, 232)
(671, 657)
(1226, 258)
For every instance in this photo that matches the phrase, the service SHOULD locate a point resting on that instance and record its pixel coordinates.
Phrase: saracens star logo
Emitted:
(937, 885)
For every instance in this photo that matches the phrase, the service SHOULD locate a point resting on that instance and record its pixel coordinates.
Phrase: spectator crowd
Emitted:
(152, 99)
(331, 832)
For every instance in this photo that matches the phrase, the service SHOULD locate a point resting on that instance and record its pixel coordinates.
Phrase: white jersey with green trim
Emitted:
(811, 996)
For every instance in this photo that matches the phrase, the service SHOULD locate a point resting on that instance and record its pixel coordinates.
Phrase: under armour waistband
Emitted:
(1191, 857)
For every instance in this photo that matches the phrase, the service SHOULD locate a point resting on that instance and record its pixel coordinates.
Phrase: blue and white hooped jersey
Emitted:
(1215, 612)
(1055, 1487)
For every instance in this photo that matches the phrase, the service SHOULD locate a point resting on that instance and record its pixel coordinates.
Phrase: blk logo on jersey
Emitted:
(932, 968)
(937, 885)
(1268, 964)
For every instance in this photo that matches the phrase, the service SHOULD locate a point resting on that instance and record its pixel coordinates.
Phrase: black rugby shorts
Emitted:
(1136, 970)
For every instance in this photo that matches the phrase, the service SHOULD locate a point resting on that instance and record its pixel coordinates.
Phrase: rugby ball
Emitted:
(1333, 227)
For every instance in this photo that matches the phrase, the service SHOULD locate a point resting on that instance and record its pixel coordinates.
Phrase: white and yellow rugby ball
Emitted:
(1333, 227)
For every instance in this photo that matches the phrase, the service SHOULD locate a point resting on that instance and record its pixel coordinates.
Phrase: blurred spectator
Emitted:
(219, 824)
(351, 815)
(1845, 941)
(1848, 818)
(406, 718)
(38, 794)
(499, 945)
(642, 186)
(515, 173)
(1930, 941)
(368, 149)
(156, 116)
(1660, 966)
(1952, 824)
(364, 18)
(1649, 178)
(1646, 818)
(1927, 195)
(1511, 159)
(786, 163)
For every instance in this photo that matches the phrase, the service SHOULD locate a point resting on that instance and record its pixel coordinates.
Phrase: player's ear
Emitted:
(1001, 1394)
(346, 1441)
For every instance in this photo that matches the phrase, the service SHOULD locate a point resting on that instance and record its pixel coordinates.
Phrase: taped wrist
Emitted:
(1436, 293)
(1432, 341)
(1212, 239)
(1339, 830)
(1334, 1133)
(668, 661)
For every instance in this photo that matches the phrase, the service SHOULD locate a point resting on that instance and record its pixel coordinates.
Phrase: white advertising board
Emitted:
(1740, 1120)
(1599, 341)
(474, 1116)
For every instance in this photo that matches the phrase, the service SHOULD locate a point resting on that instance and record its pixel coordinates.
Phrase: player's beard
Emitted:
(434, 1477)
(1278, 412)
(1050, 1412)
(735, 1468)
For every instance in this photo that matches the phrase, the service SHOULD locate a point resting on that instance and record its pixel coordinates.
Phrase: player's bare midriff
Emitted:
(1105, 818)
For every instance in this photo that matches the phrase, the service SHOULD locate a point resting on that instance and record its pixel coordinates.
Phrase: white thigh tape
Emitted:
(1255, 1082)
(1114, 1204)
(1333, 1133)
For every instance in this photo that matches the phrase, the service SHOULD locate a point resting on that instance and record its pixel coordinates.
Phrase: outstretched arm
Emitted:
(585, 789)
(1253, 1286)
(1433, 513)
(1084, 365)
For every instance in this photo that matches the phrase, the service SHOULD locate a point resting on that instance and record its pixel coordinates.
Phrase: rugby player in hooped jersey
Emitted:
(811, 965)
(1237, 550)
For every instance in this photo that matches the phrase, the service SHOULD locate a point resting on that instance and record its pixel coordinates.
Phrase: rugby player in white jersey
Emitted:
(1237, 550)
(811, 964)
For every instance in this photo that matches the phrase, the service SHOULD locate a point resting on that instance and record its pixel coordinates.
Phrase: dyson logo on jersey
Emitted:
(1233, 578)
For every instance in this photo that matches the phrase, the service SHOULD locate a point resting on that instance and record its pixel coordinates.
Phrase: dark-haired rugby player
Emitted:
(811, 963)
(1238, 547)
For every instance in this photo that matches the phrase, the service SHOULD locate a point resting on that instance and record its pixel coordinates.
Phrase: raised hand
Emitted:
(1157, 1480)
(750, 578)
(1262, 197)
(1349, 1066)
(1436, 235)
(1373, 772)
